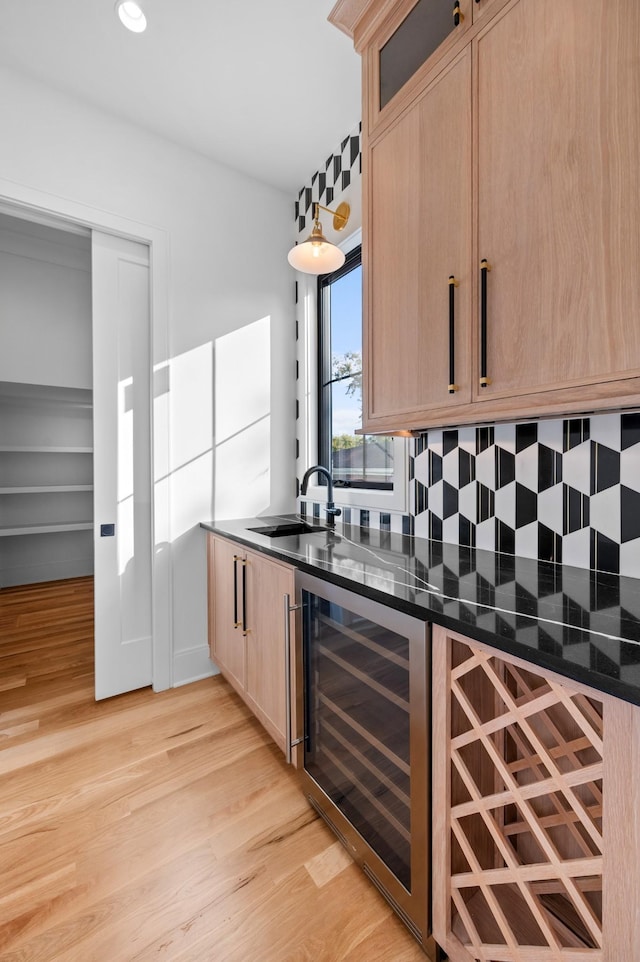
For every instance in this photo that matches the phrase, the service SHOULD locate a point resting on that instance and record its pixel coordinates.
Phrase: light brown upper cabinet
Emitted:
(558, 124)
(415, 37)
(532, 113)
(480, 7)
(418, 254)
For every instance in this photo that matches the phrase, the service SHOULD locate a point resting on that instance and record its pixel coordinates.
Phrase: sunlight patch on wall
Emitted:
(191, 460)
(192, 405)
(243, 421)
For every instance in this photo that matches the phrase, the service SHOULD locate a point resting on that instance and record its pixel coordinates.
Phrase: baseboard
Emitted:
(48, 571)
(192, 665)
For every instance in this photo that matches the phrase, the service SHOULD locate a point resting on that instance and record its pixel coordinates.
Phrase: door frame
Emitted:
(29, 203)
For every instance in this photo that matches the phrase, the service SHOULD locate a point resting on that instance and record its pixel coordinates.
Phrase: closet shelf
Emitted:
(44, 488)
(44, 449)
(10, 531)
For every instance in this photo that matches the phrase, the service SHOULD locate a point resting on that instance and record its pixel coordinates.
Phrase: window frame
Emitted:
(325, 380)
(374, 497)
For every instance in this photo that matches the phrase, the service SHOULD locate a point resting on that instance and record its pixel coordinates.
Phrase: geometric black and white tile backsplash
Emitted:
(339, 171)
(565, 491)
(560, 490)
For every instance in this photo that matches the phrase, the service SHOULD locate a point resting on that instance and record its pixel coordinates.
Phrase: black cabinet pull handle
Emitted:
(457, 16)
(244, 596)
(236, 559)
(453, 387)
(485, 267)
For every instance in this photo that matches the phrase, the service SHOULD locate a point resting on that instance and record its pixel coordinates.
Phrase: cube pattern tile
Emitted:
(340, 170)
(564, 491)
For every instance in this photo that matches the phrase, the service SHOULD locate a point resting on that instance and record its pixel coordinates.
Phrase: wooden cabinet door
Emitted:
(414, 37)
(558, 141)
(266, 674)
(417, 235)
(226, 640)
(482, 7)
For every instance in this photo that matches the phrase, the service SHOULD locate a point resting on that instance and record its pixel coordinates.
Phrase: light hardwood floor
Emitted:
(157, 826)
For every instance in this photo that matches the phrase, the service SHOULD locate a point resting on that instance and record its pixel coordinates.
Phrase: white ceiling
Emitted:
(266, 86)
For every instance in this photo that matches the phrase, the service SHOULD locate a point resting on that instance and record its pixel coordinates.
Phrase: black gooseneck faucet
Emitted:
(331, 510)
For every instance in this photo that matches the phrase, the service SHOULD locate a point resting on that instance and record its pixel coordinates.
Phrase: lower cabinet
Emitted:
(536, 789)
(249, 637)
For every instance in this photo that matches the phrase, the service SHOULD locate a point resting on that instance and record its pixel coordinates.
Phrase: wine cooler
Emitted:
(366, 739)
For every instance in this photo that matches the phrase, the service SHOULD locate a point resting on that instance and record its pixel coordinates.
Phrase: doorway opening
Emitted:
(74, 302)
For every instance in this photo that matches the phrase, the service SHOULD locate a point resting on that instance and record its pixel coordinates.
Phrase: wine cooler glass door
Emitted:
(366, 747)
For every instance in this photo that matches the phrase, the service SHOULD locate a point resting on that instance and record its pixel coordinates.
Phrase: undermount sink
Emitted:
(288, 527)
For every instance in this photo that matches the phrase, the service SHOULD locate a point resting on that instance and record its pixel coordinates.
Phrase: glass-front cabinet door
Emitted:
(367, 737)
(417, 32)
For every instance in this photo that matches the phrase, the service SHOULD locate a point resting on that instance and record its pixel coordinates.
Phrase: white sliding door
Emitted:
(122, 464)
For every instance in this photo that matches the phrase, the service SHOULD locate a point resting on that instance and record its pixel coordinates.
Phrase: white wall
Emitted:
(45, 305)
(228, 236)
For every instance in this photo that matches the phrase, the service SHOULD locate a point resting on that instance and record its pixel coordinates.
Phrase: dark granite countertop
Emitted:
(582, 624)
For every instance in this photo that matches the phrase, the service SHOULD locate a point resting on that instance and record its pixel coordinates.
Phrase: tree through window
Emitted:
(364, 461)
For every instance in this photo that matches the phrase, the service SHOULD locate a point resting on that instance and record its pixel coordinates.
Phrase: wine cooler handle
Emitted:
(485, 267)
(453, 387)
(288, 740)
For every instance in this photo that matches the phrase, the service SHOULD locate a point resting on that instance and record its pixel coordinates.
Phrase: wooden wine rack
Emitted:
(520, 792)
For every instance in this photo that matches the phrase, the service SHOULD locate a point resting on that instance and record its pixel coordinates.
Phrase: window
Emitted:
(355, 460)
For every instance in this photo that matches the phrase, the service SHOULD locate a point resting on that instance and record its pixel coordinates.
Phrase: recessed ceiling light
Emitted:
(131, 15)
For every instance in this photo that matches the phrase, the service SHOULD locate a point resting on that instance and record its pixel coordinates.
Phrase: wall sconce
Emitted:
(317, 255)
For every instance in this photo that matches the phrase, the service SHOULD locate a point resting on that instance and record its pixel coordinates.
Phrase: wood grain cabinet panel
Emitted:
(247, 633)
(267, 583)
(481, 8)
(419, 184)
(226, 641)
(516, 142)
(558, 137)
(534, 779)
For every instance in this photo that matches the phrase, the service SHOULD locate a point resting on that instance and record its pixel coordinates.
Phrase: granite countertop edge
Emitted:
(594, 640)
